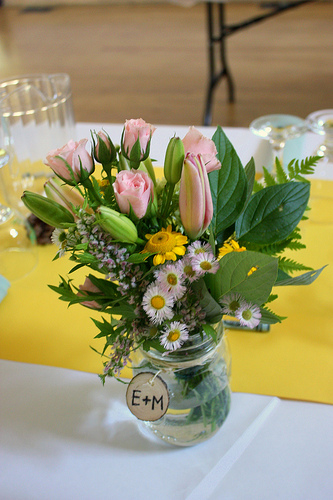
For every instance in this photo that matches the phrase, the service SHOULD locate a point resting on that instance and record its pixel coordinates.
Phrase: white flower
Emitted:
(174, 336)
(205, 263)
(198, 247)
(158, 303)
(249, 315)
(58, 237)
(171, 279)
(186, 268)
(231, 303)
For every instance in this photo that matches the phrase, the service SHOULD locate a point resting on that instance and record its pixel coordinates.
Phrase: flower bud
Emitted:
(174, 160)
(104, 149)
(63, 194)
(47, 210)
(118, 225)
(135, 141)
(72, 163)
(195, 198)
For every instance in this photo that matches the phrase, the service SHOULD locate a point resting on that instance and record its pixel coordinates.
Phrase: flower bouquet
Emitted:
(169, 258)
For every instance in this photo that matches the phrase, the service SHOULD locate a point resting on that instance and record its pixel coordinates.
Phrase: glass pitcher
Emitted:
(36, 113)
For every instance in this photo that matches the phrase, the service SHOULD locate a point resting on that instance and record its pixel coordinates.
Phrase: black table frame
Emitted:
(218, 31)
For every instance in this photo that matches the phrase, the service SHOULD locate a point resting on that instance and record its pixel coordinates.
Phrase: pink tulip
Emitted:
(195, 199)
(136, 130)
(133, 188)
(195, 142)
(88, 286)
(66, 162)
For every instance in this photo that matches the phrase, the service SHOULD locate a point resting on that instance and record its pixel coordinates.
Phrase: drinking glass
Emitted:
(278, 129)
(36, 114)
(18, 252)
(321, 123)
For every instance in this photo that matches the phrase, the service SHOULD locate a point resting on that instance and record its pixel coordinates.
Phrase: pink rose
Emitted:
(88, 286)
(133, 187)
(104, 149)
(195, 142)
(71, 157)
(136, 130)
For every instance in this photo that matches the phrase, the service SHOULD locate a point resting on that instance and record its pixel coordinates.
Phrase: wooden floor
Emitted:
(151, 61)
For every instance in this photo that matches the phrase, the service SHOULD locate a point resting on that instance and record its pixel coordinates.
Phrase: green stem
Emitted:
(170, 188)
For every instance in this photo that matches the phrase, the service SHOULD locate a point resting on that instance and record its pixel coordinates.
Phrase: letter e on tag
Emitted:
(147, 396)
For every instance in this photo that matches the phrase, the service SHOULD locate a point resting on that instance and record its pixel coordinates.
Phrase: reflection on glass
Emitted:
(277, 129)
(18, 252)
(321, 123)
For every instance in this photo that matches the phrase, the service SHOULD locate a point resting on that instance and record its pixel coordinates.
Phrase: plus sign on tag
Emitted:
(147, 396)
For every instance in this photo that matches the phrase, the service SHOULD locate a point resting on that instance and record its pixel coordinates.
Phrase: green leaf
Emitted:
(303, 279)
(212, 309)
(137, 258)
(250, 172)
(228, 185)
(273, 213)
(210, 331)
(232, 277)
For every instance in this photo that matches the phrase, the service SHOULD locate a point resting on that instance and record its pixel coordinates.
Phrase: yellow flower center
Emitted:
(161, 242)
(205, 265)
(188, 270)
(172, 279)
(234, 305)
(173, 335)
(199, 250)
(158, 302)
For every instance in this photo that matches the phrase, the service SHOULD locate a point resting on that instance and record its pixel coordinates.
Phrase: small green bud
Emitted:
(47, 210)
(118, 225)
(174, 160)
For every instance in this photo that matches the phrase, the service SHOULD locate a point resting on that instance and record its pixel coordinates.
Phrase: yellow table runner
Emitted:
(294, 360)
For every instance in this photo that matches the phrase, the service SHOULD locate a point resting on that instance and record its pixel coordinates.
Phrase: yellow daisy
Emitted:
(230, 246)
(166, 244)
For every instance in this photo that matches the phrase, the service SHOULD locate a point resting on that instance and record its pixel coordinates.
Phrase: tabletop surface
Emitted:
(63, 435)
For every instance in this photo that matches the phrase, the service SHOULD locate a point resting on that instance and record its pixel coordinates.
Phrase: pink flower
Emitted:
(195, 142)
(104, 149)
(136, 137)
(88, 286)
(135, 188)
(67, 161)
(195, 199)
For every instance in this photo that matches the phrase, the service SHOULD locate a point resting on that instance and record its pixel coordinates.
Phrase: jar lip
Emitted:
(196, 345)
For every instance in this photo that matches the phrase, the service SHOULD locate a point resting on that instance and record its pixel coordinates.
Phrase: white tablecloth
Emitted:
(65, 436)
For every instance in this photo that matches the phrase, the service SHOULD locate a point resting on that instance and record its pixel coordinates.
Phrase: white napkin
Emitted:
(4, 285)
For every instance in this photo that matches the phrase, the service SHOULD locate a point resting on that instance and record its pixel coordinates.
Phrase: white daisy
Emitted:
(158, 303)
(59, 238)
(231, 303)
(186, 268)
(171, 278)
(198, 247)
(205, 263)
(174, 335)
(249, 315)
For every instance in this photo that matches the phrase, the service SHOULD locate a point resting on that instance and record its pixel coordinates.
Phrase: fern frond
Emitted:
(281, 176)
(268, 177)
(296, 245)
(290, 266)
(257, 186)
(272, 297)
(296, 170)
